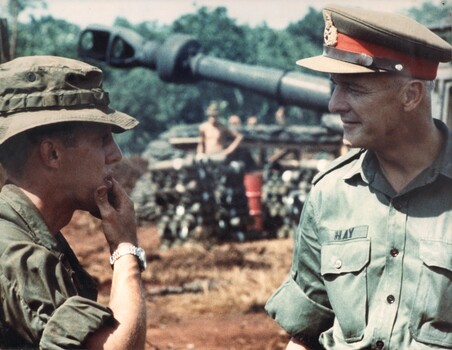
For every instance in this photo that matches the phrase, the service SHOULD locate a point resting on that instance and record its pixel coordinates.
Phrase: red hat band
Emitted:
(374, 56)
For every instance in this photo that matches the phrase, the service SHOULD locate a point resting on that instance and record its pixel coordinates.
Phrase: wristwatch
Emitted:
(130, 249)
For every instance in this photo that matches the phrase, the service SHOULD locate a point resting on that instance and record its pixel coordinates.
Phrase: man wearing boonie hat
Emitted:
(57, 149)
(372, 264)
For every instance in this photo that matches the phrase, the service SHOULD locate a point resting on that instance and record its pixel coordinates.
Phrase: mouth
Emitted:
(349, 122)
(108, 181)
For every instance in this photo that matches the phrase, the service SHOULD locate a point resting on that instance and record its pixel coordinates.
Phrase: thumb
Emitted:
(101, 198)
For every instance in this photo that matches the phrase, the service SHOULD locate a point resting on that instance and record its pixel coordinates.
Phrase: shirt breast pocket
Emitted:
(431, 318)
(344, 271)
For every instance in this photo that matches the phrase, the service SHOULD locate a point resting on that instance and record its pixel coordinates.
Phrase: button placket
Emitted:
(390, 293)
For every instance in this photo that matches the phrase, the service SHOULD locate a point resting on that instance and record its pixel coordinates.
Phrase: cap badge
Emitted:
(330, 33)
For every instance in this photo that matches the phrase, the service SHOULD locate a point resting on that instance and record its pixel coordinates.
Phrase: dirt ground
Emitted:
(204, 298)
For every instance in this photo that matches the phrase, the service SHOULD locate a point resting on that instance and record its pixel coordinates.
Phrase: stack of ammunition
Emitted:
(283, 194)
(193, 199)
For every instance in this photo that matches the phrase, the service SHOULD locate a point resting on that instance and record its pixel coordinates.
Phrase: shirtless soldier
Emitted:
(214, 135)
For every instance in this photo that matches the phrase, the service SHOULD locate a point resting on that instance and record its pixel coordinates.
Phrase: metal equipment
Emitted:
(180, 60)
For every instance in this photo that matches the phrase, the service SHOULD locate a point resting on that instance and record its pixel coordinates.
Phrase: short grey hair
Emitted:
(430, 85)
(15, 152)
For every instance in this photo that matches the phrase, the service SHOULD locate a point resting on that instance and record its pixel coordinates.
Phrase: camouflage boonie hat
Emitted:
(358, 40)
(43, 90)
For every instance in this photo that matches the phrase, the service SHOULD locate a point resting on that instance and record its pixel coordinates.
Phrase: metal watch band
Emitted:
(133, 250)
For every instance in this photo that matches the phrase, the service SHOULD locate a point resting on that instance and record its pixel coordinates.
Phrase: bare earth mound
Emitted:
(197, 297)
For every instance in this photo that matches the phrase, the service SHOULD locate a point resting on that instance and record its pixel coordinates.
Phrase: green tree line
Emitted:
(158, 105)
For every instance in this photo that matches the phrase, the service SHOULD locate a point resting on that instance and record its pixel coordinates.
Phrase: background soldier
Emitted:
(215, 137)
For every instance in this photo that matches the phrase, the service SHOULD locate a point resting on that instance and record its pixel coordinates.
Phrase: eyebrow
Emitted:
(352, 83)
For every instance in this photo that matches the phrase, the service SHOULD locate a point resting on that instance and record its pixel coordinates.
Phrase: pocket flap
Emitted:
(436, 253)
(344, 257)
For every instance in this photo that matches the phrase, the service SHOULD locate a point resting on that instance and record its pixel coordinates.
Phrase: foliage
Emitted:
(17, 6)
(430, 14)
(14, 8)
(436, 17)
(218, 34)
(47, 36)
(307, 35)
(158, 105)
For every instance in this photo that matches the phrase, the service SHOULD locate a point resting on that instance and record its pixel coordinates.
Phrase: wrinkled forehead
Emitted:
(371, 82)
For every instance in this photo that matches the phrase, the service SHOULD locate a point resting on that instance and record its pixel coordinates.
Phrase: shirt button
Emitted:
(380, 344)
(338, 264)
(397, 203)
(394, 252)
(390, 299)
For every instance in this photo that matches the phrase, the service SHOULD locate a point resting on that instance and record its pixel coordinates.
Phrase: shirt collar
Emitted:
(359, 169)
(30, 215)
(444, 162)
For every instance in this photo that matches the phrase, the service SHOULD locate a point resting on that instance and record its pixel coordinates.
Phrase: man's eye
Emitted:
(105, 139)
(354, 89)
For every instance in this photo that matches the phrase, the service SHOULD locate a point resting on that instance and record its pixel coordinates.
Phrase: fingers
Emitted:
(101, 198)
(118, 193)
(117, 214)
(113, 199)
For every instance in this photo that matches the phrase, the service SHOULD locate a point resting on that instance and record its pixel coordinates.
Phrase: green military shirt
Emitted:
(372, 269)
(47, 299)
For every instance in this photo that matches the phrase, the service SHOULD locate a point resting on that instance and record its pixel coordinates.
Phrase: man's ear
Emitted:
(50, 153)
(413, 94)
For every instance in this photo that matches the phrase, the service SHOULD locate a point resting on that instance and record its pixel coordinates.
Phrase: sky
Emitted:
(275, 13)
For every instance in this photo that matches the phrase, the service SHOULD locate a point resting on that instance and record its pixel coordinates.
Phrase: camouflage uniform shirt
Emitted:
(47, 299)
(372, 269)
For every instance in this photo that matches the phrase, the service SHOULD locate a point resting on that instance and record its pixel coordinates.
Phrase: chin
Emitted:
(347, 142)
(353, 142)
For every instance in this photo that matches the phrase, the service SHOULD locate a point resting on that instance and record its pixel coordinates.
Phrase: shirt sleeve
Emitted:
(300, 305)
(70, 324)
(40, 301)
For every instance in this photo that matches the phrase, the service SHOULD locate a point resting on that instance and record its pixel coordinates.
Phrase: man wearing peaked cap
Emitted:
(372, 264)
(363, 41)
(57, 148)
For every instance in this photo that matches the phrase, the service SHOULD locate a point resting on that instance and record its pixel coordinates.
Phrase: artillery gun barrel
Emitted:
(287, 87)
(179, 60)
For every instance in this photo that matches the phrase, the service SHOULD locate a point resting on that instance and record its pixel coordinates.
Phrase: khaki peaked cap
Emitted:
(358, 40)
(43, 90)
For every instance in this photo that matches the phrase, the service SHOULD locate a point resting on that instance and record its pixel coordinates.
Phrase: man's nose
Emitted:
(114, 153)
(338, 102)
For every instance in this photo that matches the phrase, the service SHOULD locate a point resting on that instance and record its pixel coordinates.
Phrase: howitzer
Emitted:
(179, 59)
(205, 199)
